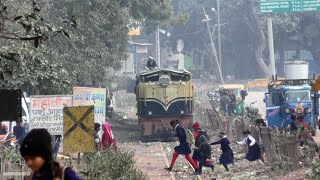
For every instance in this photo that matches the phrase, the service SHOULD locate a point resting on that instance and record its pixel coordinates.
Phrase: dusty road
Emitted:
(153, 157)
(256, 97)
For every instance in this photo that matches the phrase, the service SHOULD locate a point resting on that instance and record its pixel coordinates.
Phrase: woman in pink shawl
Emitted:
(108, 139)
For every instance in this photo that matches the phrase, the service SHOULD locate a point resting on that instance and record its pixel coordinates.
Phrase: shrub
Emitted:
(109, 165)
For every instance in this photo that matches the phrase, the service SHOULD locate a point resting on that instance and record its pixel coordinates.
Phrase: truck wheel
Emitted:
(313, 132)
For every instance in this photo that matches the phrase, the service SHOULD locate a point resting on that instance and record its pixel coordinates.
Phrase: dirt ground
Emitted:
(153, 157)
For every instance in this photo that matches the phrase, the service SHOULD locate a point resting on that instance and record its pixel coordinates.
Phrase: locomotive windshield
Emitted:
(150, 77)
(297, 96)
(178, 77)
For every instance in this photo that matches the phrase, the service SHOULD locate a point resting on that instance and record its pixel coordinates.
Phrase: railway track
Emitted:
(153, 157)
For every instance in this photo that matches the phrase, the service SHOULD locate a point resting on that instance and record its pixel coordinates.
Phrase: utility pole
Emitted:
(271, 48)
(219, 33)
(213, 48)
(158, 48)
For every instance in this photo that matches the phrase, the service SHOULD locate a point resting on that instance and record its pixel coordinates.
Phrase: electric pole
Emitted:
(158, 48)
(213, 48)
(219, 33)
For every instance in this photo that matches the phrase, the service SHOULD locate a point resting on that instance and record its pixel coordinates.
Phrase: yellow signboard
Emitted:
(316, 86)
(78, 129)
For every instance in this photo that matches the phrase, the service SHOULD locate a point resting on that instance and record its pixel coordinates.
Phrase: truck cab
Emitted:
(290, 96)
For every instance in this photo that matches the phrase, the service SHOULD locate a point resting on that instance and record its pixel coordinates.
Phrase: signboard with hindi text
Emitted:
(86, 96)
(281, 6)
(47, 112)
(78, 129)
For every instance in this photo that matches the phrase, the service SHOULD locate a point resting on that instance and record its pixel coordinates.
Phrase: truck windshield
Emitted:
(297, 96)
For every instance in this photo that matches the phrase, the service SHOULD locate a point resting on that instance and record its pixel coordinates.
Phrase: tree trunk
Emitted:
(253, 21)
(261, 45)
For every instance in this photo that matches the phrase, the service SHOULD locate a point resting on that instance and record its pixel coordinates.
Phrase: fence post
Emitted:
(273, 143)
(292, 151)
(265, 136)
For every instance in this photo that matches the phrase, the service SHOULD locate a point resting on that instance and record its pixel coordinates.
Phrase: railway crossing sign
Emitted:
(282, 6)
(78, 129)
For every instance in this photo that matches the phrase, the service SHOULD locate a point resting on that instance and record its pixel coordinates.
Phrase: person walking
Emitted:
(108, 139)
(254, 152)
(36, 150)
(183, 147)
(204, 154)
(197, 132)
(227, 154)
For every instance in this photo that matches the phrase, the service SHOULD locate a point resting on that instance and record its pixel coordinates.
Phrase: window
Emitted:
(150, 77)
(178, 77)
(298, 96)
(273, 99)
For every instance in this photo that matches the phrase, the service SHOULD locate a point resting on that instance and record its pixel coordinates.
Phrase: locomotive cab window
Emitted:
(178, 77)
(150, 77)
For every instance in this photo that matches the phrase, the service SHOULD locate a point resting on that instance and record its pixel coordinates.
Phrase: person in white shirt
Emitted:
(254, 152)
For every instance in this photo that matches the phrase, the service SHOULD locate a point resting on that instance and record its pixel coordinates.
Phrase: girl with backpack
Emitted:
(36, 150)
(183, 147)
(204, 154)
(197, 132)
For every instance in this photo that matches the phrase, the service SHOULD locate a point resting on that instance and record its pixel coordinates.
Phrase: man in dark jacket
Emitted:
(151, 64)
(183, 147)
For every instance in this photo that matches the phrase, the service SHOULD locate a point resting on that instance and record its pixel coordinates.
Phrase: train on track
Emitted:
(163, 95)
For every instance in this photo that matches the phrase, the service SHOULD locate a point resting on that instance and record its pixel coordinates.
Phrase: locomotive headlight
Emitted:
(150, 113)
(182, 112)
(287, 110)
(164, 80)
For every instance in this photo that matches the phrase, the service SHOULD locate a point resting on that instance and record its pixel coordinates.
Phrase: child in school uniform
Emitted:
(254, 152)
(227, 154)
(204, 154)
(183, 147)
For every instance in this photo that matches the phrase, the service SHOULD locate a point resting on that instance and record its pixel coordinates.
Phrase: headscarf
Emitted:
(196, 126)
(107, 137)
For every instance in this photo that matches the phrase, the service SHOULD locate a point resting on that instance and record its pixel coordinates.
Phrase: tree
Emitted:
(22, 31)
(52, 63)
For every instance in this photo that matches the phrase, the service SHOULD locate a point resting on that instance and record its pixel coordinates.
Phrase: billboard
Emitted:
(86, 96)
(47, 112)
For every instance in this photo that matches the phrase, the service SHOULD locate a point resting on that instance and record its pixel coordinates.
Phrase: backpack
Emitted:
(189, 136)
(202, 133)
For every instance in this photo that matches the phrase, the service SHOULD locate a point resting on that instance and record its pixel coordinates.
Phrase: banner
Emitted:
(78, 129)
(47, 112)
(85, 96)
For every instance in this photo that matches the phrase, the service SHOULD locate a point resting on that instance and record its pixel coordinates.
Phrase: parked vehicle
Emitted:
(291, 95)
(238, 91)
